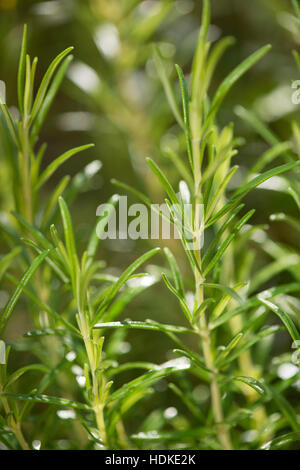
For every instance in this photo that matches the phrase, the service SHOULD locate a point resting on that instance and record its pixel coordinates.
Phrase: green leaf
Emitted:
(21, 70)
(250, 343)
(100, 227)
(146, 380)
(180, 165)
(296, 59)
(282, 441)
(45, 307)
(272, 269)
(49, 400)
(199, 66)
(226, 289)
(186, 113)
(186, 399)
(53, 166)
(177, 220)
(218, 236)
(52, 202)
(28, 88)
(194, 358)
(18, 373)
(9, 307)
(202, 308)
(143, 29)
(162, 73)
(284, 317)
(260, 127)
(140, 196)
(69, 237)
(224, 301)
(176, 436)
(268, 156)
(230, 346)
(215, 56)
(233, 77)
(124, 299)
(164, 181)
(296, 137)
(82, 181)
(46, 81)
(51, 261)
(145, 325)
(10, 123)
(181, 299)
(37, 234)
(241, 192)
(121, 281)
(257, 385)
(295, 196)
(60, 249)
(132, 190)
(285, 407)
(48, 100)
(175, 271)
(219, 192)
(221, 250)
(45, 332)
(254, 302)
(36, 164)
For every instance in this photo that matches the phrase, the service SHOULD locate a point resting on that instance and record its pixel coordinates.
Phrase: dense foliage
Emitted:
(149, 344)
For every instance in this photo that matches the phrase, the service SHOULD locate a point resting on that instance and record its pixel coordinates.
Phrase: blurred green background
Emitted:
(112, 96)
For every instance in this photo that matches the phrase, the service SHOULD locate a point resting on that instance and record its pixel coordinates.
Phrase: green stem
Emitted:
(19, 435)
(98, 406)
(25, 170)
(98, 410)
(216, 400)
(14, 425)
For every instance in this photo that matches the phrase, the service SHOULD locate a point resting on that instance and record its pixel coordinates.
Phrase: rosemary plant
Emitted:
(221, 297)
(72, 389)
(62, 327)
